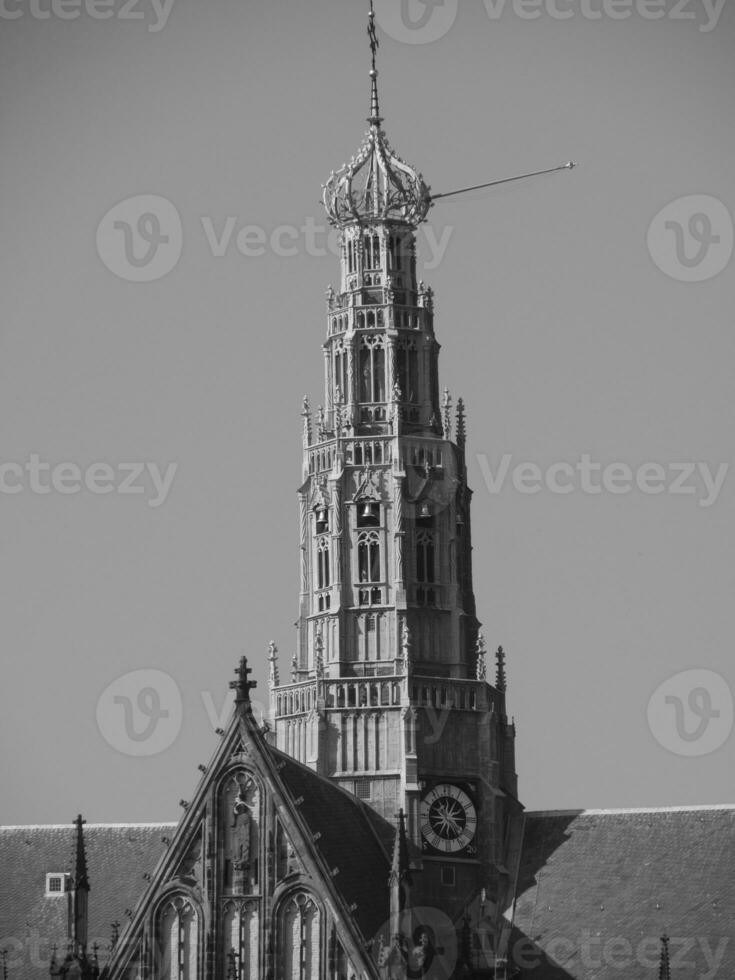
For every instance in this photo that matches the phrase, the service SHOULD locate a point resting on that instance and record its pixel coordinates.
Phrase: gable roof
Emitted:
(598, 888)
(350, 839)
(118, 855)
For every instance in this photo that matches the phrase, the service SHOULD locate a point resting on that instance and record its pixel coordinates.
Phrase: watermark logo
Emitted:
(691, 239)
(140, 713)
(416, 21)
(691, 713)
(140, 239)
(592, 477)
(706, 11)
(39, 476)
(156, 12)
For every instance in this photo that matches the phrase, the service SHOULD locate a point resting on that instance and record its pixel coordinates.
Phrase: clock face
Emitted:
(448, 818)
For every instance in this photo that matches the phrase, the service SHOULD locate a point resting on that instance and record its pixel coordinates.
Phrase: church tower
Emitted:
(388, 695)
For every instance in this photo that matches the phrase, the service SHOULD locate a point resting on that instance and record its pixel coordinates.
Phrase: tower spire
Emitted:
(81, 889)
(400, 877)
(500, 679)
(375, 118)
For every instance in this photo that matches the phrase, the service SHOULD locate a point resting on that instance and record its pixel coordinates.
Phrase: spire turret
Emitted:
(81, 888)
(664, 970)
(400, 877)
(76, 964)
(500, 678)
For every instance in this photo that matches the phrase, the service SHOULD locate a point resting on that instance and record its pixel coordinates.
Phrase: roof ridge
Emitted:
(88, 826)
(695, 807)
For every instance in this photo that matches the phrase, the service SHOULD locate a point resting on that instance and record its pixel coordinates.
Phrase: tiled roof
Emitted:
(117, 855)
(598, 888)
(351, 839)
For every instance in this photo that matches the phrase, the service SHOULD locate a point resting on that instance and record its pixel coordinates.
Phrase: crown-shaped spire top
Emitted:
(376, 185)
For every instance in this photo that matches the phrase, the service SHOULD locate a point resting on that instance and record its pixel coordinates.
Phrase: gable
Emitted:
(270, 866)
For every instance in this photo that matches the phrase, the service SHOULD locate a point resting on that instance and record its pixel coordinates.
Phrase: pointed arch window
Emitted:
(300, 939)
(371, 251)
(340, 370)
(177, 935)
(368, 557)
(372, 370)
(322, 563)
(395, 252)
(425, 557)
(407, 370)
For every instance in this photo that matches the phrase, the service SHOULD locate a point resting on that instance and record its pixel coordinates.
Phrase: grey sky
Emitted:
(558, 329)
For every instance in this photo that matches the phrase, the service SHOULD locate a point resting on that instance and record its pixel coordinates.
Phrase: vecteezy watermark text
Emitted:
(708, 10)
(39, 476)
(426, 21)
(592, 477)
(141, 239)
(96, 9)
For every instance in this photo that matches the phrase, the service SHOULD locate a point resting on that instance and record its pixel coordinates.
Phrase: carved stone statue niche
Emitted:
(241, 824)
(241, 835)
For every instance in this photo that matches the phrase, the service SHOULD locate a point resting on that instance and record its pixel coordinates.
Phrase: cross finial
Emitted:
(242, 686)
(375, 118)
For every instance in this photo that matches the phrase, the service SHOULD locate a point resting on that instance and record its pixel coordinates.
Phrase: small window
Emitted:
(56, 884)
(363, 789)
(447, 877)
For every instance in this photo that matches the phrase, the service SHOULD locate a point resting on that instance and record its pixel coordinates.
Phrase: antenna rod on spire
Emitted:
(569, 165)
(374, 45)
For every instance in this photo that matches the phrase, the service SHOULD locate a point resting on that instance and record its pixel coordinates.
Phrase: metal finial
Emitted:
(664, 970)
(461, 437)
(500, 678)
(375, 117)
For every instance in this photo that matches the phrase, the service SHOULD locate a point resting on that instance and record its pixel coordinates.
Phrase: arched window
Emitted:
(407, 369)
(368, 557)
(371, 246)
(177, 940)
(299, 939)
(340, 370)
(395, 252)
(372, 371)
(322, 563)
(240, 930)
(425, 557)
